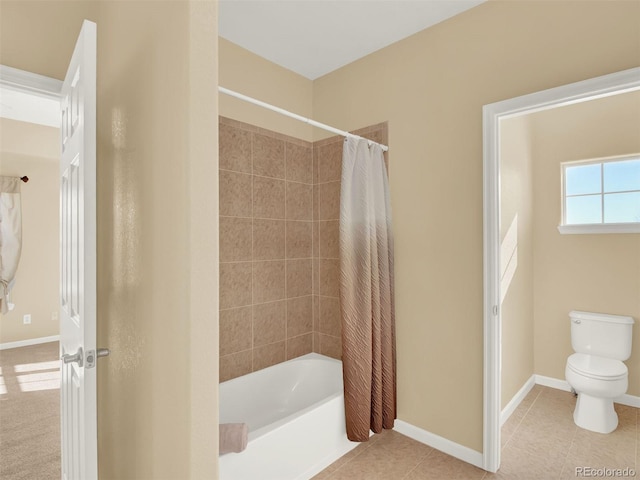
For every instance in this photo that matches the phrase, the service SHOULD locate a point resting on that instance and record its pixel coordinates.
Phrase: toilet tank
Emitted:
(601, 334)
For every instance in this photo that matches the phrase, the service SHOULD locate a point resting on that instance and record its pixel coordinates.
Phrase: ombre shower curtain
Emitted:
(366, 291)
(10, 236)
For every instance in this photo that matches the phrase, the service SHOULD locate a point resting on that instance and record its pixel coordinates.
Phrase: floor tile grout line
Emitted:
(420, 460)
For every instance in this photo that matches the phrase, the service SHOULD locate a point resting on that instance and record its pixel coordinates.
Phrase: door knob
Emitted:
(77, 357)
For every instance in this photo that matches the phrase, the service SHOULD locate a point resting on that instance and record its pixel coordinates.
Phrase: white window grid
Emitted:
(601, 194)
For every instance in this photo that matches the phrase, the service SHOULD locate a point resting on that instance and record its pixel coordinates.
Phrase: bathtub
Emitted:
(295, 414)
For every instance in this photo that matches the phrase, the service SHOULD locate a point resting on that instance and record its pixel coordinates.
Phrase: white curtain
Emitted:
(366, 291)
(10, 236)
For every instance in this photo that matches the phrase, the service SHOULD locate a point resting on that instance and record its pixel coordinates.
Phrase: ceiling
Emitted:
(309, 37)
(315, 37)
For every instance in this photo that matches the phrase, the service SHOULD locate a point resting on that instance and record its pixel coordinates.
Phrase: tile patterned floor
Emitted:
(539, 442)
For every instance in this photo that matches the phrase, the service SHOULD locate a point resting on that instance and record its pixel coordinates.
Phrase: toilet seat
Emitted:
(598, 368)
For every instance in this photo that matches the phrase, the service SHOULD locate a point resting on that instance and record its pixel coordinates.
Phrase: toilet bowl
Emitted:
(597, 381)
(596, 371)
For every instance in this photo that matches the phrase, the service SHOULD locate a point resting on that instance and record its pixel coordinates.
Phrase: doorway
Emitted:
(29, 331)
(493, 115)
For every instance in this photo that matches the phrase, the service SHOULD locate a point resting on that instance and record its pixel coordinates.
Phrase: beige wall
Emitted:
(251, 75)
(157, 222)
(431, 88)
(595, 273)
(33, 150)
(516, 223)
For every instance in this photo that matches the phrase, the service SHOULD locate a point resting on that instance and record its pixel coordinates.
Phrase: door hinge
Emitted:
(495, 310)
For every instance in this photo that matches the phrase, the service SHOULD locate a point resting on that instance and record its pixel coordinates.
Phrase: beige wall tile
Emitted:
(330, 319)
(298, 162)
(314, 166)
(299, 316)
(329, 201)
(235, 365)
(269, 281)
(269, 323)
(268, 197)
(235, 239)
(329, 239)
(235, 149)
(268, 355)
(316, 342)
(235, 284)
(299, 346)
(330, 162)
(315, 202)
(315, 276)
(298, 278)
(316, 239)
(329, 277)
(316, 312)
(268, 239)
(268, 156)
(299, 201)
(235, 330)
(235, 194)
(298, 243)
(331, 346)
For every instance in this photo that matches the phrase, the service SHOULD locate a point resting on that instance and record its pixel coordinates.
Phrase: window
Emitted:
(601, 196)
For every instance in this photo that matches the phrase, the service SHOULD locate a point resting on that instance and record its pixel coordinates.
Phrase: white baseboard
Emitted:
(31, 341)
(553, 383)
(454, 449)
(517, 398)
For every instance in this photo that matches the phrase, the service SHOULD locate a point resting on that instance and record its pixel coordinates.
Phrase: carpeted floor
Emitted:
(30, 413)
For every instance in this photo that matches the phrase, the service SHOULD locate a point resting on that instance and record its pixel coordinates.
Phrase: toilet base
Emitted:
(595, 414)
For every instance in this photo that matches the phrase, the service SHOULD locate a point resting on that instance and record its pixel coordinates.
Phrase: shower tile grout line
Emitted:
(266, 176)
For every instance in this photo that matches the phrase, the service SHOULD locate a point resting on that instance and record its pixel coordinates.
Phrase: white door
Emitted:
(78, 262)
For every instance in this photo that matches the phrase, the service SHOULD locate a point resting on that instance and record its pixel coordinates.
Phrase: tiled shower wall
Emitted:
(279, 210)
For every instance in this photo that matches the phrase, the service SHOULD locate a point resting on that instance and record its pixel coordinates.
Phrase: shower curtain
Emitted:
(366, 291)
(10, 236)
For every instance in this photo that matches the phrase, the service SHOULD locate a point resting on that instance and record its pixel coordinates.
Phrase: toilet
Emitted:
(596, 372)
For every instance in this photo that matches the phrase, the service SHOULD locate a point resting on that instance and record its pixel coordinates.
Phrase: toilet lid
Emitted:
(597, 367)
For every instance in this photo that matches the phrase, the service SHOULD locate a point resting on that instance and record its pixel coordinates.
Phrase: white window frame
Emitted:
(563, 228)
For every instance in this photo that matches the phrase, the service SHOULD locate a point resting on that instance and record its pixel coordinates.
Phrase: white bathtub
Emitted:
(295, 414)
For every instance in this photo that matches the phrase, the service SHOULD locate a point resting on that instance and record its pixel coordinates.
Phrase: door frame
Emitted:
(29, 82)
(606, 85)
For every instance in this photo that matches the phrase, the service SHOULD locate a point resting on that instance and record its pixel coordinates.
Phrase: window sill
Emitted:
(599, 228)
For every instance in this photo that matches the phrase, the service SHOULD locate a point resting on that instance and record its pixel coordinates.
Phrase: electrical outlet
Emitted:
(26, 320)
(54, 316)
